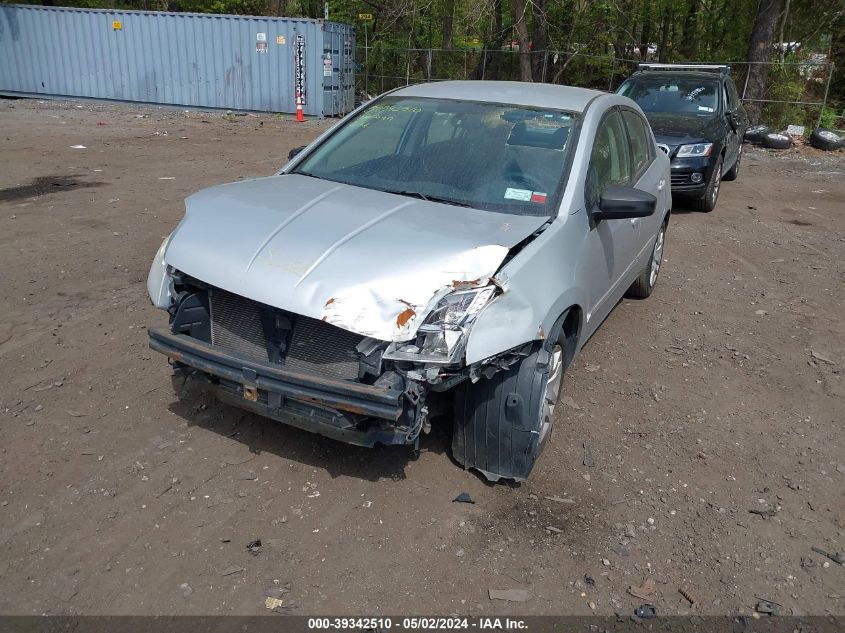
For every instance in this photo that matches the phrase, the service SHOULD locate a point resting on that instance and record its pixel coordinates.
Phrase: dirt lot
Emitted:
(720, 395)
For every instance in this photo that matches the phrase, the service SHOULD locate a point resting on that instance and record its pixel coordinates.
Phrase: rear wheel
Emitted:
(647, 280)
(708, 202)
(503, 423)
(733, 172)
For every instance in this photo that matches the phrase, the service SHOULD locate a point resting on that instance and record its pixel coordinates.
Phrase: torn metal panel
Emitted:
(364, 260)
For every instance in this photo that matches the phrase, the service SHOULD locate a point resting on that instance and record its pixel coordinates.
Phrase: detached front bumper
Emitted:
(351, 412)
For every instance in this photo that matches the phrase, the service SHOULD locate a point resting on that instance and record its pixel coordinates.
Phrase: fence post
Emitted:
(366, 63)
(747, 75)
(612, 73)
(831, 67)
(428, 65)
(545, 62)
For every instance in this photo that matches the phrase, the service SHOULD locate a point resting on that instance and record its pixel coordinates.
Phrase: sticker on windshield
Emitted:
(539, 197)
(705, 109)
(517, 194)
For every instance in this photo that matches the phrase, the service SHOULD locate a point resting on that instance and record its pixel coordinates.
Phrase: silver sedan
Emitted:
(446, 250)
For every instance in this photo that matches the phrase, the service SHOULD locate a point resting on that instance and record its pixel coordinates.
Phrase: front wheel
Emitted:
(711, 194)
(645, 283)
(503, 423)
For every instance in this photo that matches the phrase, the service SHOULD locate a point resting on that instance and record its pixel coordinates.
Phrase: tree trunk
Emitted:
(448, 24)
(520, 23)
(663, 51)
(540, 38)
(488, 63)
(645, 35)
(760, 54)
(689, 43)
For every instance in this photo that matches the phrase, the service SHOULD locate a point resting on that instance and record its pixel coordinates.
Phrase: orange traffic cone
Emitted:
(299, 116)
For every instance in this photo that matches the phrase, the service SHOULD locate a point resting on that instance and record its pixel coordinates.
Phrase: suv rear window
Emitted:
(673, 94)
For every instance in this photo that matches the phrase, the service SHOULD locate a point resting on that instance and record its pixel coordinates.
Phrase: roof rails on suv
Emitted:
(721, 68)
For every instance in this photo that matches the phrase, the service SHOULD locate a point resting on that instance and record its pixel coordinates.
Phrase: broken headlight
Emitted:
(441, 338)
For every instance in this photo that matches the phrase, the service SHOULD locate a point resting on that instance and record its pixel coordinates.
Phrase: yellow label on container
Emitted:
(117, 26)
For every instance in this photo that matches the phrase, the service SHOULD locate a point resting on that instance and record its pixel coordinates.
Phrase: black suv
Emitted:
(697, 119)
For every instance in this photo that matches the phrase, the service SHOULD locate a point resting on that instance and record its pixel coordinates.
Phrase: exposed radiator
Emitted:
(313, 345)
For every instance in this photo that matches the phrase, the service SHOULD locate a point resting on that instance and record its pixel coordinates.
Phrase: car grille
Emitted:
(680, 179)
(313, 346)
(236, 325)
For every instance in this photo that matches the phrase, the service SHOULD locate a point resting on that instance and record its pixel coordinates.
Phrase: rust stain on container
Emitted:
(329, 302)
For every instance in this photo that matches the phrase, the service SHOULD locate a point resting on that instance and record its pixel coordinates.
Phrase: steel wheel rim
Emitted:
(552, 392)
(656, 258)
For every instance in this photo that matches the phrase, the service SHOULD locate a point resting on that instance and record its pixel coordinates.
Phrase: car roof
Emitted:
(512, 92)
(659, 75)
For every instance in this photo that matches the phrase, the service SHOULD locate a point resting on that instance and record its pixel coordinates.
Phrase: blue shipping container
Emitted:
(187, 59)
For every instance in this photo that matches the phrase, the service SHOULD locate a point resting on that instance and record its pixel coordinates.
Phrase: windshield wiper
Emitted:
(427, 198)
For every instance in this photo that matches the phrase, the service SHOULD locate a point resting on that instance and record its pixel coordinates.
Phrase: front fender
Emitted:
(538, 285)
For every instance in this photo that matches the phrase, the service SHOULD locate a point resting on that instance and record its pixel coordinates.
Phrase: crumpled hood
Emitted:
(367, 261)
(675, 129)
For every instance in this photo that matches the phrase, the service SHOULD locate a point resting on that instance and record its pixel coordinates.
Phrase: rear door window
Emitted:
(642, 145)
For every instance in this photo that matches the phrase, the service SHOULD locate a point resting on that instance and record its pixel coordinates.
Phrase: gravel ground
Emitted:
(713, 412)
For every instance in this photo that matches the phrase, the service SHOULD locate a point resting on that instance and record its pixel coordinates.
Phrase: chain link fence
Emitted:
(796, 93)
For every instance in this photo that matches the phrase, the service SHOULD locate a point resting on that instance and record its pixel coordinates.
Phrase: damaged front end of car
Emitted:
(314, 375)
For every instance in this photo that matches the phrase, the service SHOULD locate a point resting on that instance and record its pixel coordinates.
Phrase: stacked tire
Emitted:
(776, 140)
(821, 138)
(755, 133)
(765, 136)
(826, 139)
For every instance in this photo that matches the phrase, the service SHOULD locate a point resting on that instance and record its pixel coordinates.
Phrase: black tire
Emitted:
(774, 140)
(503, 423)
(711, 195)
(826, 139)
(733, 172)
(645, 283)
(755, 133)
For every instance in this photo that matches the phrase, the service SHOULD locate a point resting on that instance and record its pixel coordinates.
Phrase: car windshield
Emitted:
(490, 156)
(673, 94)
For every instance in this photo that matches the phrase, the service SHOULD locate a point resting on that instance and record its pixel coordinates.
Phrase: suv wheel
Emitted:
(503, 423)
(711, 194)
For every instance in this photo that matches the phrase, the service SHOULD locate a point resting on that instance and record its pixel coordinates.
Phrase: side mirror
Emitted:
(295, 151)
(620, 202)
(733, 120)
